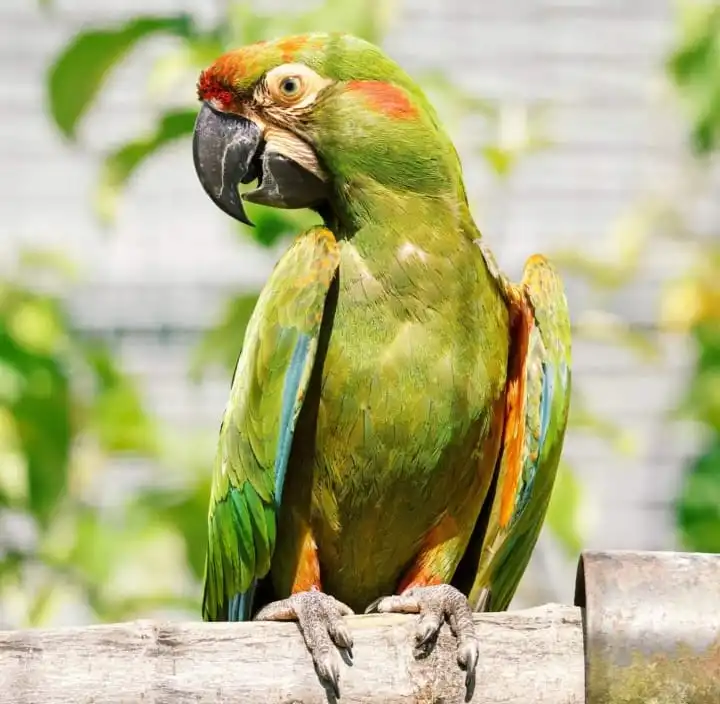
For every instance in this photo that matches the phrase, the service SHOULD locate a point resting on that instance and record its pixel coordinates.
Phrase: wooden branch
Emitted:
(527, 657)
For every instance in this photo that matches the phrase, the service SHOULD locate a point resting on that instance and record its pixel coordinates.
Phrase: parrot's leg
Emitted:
(319, 616)
(434, 604)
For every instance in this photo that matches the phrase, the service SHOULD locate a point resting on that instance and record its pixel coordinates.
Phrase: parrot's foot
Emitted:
(319, 617)
(435, 604)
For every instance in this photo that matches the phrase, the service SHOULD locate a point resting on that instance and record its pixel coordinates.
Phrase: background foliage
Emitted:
(693, 302)
(66, 406)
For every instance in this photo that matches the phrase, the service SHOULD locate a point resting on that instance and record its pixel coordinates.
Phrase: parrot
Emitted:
(398, 408)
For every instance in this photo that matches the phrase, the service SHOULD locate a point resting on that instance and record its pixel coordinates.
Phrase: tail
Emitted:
(239, 608)
(241, 605)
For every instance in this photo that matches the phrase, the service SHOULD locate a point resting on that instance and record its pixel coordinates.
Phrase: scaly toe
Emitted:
(320, 619)
(396, 604)
(340, 635)
(435, 604)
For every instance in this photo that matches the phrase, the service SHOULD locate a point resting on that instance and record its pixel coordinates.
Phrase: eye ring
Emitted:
(290, 86)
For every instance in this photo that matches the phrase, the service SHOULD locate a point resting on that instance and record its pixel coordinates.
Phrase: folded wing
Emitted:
(268, 389)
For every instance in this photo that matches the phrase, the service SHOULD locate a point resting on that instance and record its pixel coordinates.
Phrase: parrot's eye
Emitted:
(290, 86)
(293, 84)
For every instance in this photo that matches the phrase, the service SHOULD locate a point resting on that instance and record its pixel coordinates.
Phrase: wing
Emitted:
(537, 404)
(267, 393)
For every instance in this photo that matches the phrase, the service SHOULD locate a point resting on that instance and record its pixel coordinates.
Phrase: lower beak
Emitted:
(229, 150)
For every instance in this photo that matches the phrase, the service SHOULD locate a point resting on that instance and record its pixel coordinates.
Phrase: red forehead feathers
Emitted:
(226, 77)
(209, 87)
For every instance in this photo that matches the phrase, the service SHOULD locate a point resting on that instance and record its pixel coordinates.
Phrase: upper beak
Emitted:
(224, 147)
(229, 149)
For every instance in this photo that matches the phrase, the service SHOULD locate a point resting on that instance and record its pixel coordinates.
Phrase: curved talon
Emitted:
(320, 619)
(435, 604)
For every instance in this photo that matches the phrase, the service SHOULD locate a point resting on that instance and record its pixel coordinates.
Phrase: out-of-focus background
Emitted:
(588, 130)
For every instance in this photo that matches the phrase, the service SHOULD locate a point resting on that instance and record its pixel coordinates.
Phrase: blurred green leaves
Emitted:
(564, 516)
(35, 395)
(58, 391)
(222, 343)
(272, 224)
(116, 415)
(56, 382)
(698, 511)
(703, 395)
(691, 304)
(79, 72)
(120, 165)
(698, 506)
(519, 130)
(695, 66)
(187, 511)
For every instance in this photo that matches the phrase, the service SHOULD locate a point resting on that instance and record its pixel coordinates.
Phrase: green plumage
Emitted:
(245, 497)
(500, 551)
(381, 354)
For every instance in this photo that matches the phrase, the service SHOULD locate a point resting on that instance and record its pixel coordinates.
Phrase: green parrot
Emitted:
(398, 408)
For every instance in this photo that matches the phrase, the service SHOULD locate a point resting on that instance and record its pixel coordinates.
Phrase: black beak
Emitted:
(224, 147)
(229, 150)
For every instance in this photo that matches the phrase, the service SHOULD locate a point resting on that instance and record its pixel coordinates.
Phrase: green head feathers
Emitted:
(344, 111)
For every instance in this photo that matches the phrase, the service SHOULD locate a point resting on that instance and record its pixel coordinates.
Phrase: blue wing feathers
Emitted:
(530, 466)
(546, 399)
(293, 378)
(240, 607)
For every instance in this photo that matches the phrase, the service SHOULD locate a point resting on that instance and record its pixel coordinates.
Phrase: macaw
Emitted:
(398, 408)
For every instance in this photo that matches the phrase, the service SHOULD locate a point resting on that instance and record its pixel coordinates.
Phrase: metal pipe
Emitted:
(651, 623)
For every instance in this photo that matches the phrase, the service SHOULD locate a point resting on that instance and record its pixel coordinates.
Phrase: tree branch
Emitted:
(527, 656)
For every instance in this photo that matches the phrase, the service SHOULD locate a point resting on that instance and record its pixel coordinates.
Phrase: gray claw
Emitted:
(373, 606)
(328, 668)
(340, 635)
(468, 654)
(320, 619)
(428, 626)
(435, 604)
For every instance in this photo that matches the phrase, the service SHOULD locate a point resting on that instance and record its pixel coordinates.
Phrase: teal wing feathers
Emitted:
(267, 393)
(537, 405)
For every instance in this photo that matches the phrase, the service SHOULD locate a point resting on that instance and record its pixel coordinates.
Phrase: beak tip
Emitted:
(223, 149)
(238, 213)
(245, 220)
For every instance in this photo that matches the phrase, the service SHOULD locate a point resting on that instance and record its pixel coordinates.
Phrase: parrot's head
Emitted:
(323, 121)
